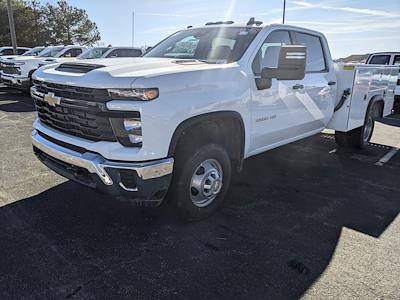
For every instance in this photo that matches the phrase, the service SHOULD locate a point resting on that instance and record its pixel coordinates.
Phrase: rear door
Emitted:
(319, 84)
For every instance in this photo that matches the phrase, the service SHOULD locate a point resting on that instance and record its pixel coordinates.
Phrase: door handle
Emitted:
(298, 87)
(332, 83)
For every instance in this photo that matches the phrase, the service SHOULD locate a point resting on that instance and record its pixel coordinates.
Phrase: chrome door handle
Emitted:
(331, 82)
(298, 87)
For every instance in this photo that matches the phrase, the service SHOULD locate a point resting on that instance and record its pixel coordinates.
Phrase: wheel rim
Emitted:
(206, 183)
(368, 129)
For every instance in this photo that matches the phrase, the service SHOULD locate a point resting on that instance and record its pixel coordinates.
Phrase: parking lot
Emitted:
(305, 220)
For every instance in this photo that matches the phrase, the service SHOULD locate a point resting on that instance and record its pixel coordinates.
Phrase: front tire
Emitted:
(358, 137)
(200, 182)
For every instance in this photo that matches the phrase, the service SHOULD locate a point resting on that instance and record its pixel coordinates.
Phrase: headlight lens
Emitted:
(134, 94)
(19, 63)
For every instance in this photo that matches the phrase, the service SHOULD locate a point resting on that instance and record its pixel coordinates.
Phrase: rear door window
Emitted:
(379, 60)
(315, 52)
(396, 60)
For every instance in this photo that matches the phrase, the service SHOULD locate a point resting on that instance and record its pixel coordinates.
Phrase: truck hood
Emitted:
(119, 72)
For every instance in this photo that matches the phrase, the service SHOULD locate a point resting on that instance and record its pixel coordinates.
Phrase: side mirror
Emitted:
(291, 64)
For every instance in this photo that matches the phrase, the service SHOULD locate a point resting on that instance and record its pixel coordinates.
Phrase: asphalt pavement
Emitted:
(303, 220)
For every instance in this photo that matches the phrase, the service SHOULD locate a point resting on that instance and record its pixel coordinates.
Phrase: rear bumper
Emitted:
(145, 183)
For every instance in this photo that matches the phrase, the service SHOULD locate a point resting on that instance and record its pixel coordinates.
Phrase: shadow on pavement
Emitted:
(273, 238)
(15, 101)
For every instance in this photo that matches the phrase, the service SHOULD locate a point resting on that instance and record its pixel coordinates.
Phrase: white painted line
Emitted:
(387, 157)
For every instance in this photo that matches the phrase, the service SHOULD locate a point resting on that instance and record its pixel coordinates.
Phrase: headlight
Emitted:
(134, 94)
(19, 63)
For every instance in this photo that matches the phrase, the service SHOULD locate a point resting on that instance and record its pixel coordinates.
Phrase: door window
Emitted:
(396, 60)
(74, 52)
(268, 55)
(7, 52)
(21, 51)
(379, 60)
(315, 53)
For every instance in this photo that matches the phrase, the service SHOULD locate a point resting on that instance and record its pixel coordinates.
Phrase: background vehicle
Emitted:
(17, 72)
(186, 115)
(389, 59)
(10, 51)
(98, 52)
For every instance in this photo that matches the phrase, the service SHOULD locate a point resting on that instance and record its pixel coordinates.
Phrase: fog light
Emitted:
(132, 125)
(135, 139)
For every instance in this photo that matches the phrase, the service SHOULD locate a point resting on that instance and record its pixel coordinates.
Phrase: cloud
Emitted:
(355, 10)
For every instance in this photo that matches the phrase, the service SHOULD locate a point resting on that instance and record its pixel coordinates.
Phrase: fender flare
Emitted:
(220, 115)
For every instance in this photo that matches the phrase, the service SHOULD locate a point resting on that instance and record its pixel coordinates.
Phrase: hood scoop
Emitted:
(78, 68)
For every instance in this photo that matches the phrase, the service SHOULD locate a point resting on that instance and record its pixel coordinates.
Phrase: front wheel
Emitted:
(358, 137)
(201, 180)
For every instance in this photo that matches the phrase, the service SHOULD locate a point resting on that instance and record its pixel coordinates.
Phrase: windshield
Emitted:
(51, 52)
(93, 53)
(214, 44)
(33, 52)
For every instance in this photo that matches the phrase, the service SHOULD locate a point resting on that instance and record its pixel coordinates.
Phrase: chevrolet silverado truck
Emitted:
(178, 121)
(99, 52)
(17, 72)
(4, 59)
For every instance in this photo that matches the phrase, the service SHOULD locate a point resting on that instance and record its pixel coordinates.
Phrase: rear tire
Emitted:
(359, 137)
(200, 181)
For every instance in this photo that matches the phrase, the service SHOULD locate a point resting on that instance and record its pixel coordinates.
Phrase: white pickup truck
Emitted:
(389, 59)
(17, 72)
(182, 118)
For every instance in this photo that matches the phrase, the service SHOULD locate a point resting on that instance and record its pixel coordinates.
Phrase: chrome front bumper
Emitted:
(98, 165)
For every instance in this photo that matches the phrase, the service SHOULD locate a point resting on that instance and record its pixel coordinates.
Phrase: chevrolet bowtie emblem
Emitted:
(51, 99)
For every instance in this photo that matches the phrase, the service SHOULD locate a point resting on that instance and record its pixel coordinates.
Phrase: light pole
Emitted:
(284, 10)
(133, 28)
(12, 27)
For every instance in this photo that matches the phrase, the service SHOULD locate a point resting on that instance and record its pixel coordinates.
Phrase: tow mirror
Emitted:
(291, 63)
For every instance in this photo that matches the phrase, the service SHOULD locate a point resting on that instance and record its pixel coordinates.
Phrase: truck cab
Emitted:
(180, 120)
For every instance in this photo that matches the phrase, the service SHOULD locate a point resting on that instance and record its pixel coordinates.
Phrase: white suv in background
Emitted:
(17, 72)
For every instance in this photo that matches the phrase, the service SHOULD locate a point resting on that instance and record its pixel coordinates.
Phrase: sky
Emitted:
(352, 26)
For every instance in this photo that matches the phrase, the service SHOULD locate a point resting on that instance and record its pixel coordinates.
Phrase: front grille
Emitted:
(73, 92)
(11, 71)
(85, 119)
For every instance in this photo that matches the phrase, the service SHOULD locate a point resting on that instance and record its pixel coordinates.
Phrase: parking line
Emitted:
(387, 157)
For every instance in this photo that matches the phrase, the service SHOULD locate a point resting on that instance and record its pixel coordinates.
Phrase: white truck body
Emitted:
(192, 91)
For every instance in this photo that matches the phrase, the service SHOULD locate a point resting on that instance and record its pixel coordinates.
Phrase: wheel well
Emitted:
(30, 74)
(378, 101)
(223, 128)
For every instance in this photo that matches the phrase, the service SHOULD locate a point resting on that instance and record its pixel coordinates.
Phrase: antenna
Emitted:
(133, 28)
(284, 11)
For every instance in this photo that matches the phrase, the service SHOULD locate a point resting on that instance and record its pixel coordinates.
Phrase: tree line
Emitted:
(43, 25)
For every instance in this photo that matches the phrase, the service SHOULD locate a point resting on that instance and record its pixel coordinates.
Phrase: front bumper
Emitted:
(15, 81)
(145, 183)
